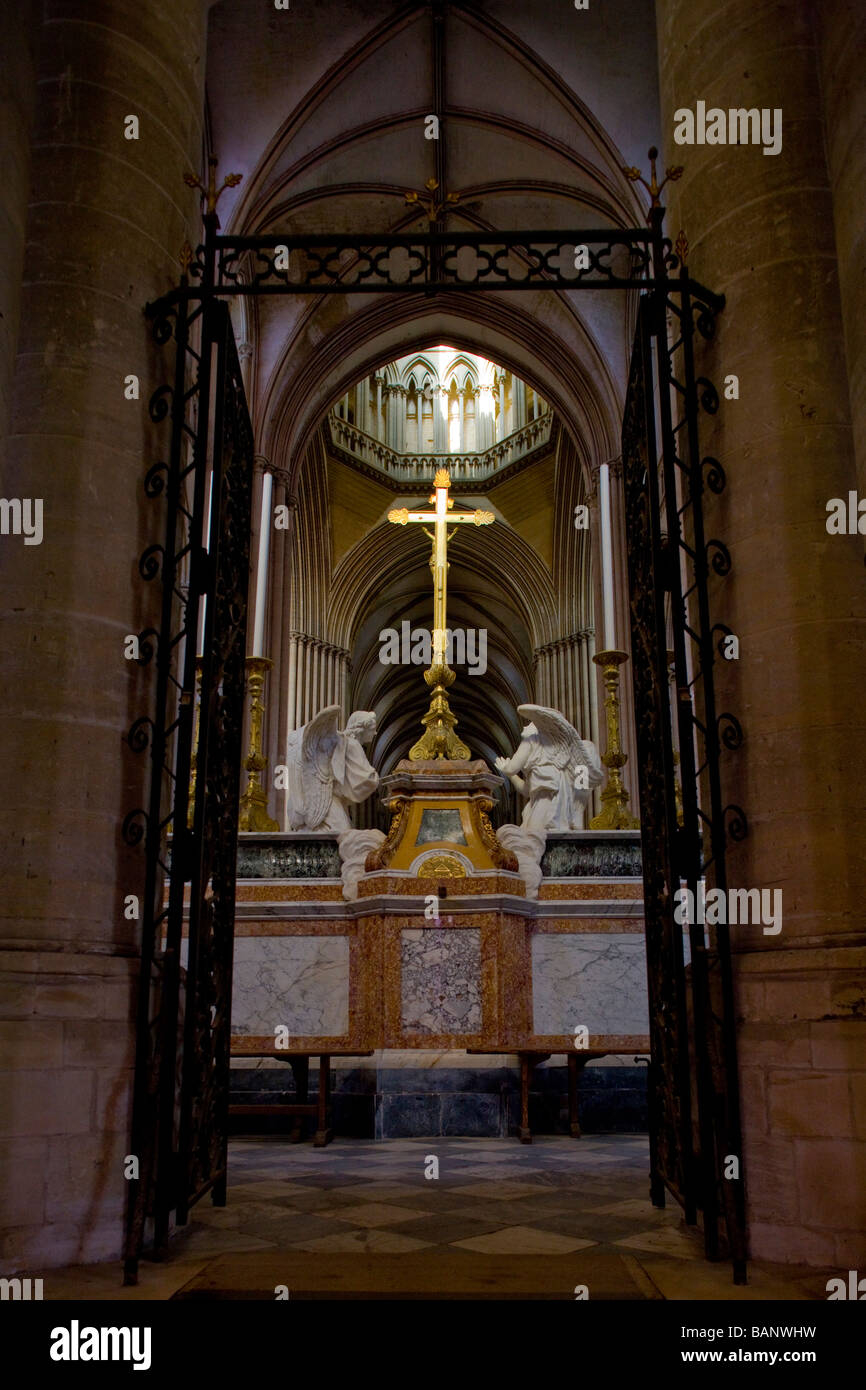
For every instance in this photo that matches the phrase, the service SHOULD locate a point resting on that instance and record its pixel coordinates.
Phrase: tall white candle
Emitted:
(262, 567)
(606, 556)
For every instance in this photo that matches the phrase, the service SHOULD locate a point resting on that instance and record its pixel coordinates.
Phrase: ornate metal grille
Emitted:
(180, 1100)
(691, 1007)
(180, 1103)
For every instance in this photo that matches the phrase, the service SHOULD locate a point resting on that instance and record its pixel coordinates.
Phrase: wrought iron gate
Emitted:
(180, 1103)
(693, 1087)
(181, 1085)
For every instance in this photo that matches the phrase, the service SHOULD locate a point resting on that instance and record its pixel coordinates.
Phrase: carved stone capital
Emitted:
(282, 477)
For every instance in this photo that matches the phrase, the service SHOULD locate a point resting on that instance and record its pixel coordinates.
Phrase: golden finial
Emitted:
(681, 246)
(185, 257)
(442, 479)
(654, 188)
(210, 192)
(432, 206)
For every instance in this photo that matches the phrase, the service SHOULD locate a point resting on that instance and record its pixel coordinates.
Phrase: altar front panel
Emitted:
(496, 972)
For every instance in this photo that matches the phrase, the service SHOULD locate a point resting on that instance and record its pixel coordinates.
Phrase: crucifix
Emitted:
(439, 739)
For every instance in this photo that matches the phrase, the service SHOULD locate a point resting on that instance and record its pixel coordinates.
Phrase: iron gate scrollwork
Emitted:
(693, 1084)
(180, 1101)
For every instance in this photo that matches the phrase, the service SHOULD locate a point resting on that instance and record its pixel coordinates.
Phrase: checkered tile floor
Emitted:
(581, 1205)
(492, 1196)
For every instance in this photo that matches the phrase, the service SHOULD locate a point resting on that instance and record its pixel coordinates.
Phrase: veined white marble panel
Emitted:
(441, 980)
(597, 979)
(301, 982)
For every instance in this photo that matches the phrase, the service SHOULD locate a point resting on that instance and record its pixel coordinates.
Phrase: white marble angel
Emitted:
(554, 768)
(328, 769)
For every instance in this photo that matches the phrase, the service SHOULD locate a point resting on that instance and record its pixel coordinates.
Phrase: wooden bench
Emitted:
(299, 1061)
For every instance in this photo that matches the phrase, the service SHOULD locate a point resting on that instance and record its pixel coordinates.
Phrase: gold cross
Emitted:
(439, 739)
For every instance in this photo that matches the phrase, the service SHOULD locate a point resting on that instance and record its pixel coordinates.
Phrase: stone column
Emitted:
(519, 403)
(343, 685)
(440, 420)
(570, 693)
(484, 418)
(322, 656)
(583, 677)
(17, 98)
(104, 230)
(292, 678)
(841, 31)
(277, 628)
(306, 711)
(761, 232)
(502, 426)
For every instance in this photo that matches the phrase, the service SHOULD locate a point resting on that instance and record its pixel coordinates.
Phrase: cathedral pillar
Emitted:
(502, 427)
(343, 685)
(291, 682)
(277, 630)
(440, 420)
(399, 399)
(795, 597)
(106, 227)
(17, 97)
(306, 708)
(571, 693)
(519, 403)
(321, 684)
(559, 659)
(484, 417)
(583, 679)
(841, 31)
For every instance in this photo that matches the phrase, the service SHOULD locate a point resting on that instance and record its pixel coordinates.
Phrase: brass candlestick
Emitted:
(615, 813)
(254, 802)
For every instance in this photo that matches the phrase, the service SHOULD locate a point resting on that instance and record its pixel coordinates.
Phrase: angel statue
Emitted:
(554, 768)
(328, 769)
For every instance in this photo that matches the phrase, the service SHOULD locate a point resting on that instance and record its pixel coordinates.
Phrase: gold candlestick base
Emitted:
(439, 739)
(254, 802)
(615, 814)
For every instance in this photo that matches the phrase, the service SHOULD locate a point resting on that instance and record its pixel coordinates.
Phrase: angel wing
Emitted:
(312, 758)
(562, 742)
